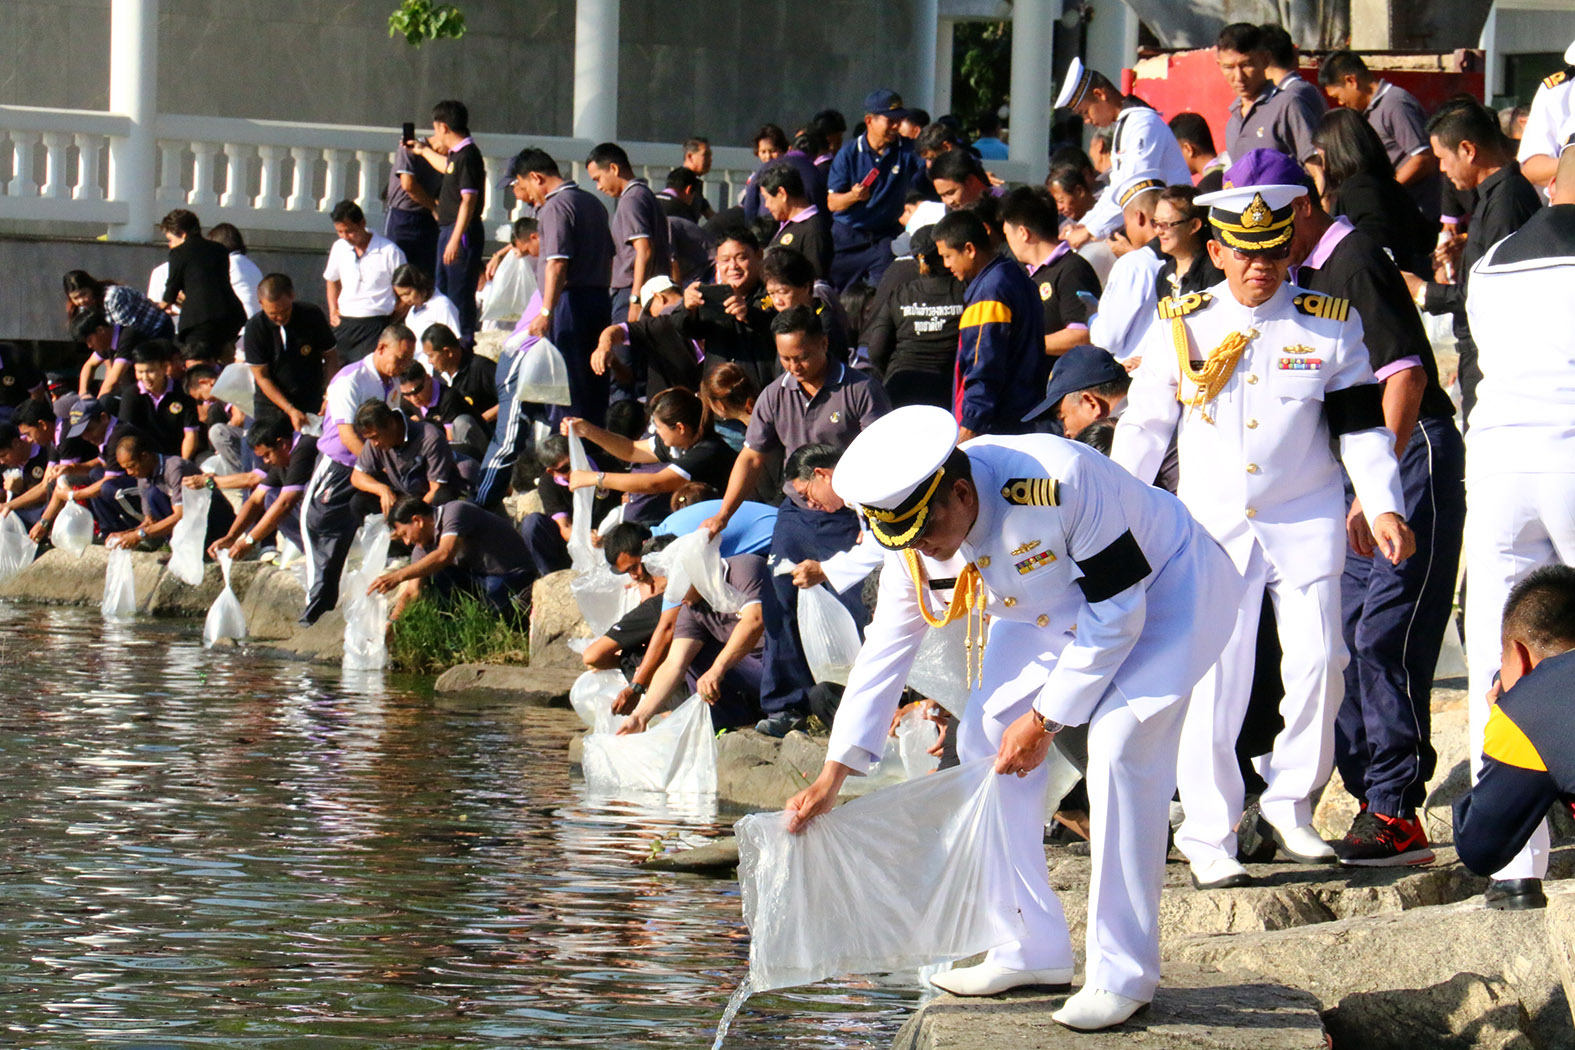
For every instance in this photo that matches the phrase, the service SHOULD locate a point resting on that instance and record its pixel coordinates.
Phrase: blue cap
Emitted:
(82, 415)
(883, 100)
(1079, 368)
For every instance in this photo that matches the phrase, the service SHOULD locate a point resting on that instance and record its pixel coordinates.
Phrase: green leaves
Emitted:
(420, 20)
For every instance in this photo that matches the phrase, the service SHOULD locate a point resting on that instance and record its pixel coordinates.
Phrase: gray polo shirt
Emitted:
(748, 575)
(423, 458)
(1282, 117)
(1401, 124)
(488, 542)
(638, 216)
(786, 419)
(574, 226)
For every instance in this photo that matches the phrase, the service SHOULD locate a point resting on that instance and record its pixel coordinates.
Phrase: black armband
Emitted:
(1354, 408)
(1113, 569)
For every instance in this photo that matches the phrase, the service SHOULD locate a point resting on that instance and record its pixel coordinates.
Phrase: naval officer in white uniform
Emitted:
(1259, 375)
(1103, 598)
(1140, 141)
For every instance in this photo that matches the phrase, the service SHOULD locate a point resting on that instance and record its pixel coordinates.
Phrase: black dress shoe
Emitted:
(1514, 895)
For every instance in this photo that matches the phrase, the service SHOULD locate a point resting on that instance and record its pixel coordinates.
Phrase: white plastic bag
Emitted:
(592, 697)
(120, 586)
(73, 528)
(676, 755)
(366, 615)
(508, 293)
(894, 881)
(17, 548)
(225, 618)
(915, 736)
(602, 595)
(695, 561)
(829, 634)
(237, 386)
(186, 542)
(544, 378)
(940, 670)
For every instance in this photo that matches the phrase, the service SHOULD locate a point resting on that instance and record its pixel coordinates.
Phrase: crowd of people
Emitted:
(1231, 334)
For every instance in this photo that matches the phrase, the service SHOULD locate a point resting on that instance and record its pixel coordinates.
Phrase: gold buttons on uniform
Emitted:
(1008, 601)
(1042, 621)
(1252, 424)
(1252, 512)
(1252, 468)
(1252, 379)
(983, 561)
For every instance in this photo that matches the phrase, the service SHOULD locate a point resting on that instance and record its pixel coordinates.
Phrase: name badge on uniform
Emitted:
(1046, 291)
(787, 239)
(1300, 364)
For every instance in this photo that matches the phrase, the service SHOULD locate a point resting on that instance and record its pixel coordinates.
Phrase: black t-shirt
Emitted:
(32, 472)
(476, 381)
(18, 375)
(466, 171)
(748, 344)
(1058, 283)
(294, 357)
(633, 633)
(812, 238)
(913, 327)
(296, 473)
(1359, 270)
(165, 422)
(451, 404)
(708, 461)
(557, 500)
(659, 352)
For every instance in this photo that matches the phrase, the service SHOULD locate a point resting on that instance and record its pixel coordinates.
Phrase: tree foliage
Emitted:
(420, 20)
(983, 68)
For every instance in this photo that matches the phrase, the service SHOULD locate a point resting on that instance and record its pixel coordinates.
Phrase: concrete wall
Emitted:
(713, 67)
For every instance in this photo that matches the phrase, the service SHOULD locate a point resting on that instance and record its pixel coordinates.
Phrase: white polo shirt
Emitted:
(366, 281)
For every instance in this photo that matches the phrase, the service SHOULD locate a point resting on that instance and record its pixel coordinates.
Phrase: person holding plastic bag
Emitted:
(512, 428)
(682, 442)
(274, 503)
(727, 645)
(459, 547)
(1107, 603)
(160, 481)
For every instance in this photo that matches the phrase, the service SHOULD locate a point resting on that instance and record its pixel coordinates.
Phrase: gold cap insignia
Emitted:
(1257, 214)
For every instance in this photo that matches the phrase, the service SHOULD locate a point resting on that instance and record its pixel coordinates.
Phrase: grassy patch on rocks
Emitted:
(435, 634)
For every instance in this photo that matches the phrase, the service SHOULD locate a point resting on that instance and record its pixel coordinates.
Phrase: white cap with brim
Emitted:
(1569, 55)
(1074, 87)
(1252, 218)
(1135, 184)
(893, 469)
(654, 287)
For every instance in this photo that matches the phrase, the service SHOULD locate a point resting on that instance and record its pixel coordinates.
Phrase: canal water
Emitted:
(213, 849)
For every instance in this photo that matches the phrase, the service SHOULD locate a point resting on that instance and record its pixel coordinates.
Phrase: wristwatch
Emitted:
(637, 689)
(1046, 725)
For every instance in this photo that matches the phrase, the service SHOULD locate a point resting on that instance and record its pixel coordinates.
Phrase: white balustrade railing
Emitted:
(273, 175)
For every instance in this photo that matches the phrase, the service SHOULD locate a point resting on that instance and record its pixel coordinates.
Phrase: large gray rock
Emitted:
(1447, 976)
(273, 603)
(1194, 1009)
(554, 620)
(1560, 921)
(531, 686)
(719, 858)
(757, 772)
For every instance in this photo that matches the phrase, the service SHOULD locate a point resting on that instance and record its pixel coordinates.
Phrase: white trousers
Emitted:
(1308, 621)
(1130, 782)
(1515, 523)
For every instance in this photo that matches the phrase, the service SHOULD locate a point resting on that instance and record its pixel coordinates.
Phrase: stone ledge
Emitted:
(531, 686)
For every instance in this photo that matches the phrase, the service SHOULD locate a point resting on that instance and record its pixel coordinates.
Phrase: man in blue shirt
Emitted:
(866, 189)
(1001, 360)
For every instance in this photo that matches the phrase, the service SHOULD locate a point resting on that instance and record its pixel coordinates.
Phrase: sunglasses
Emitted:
(1268, 254)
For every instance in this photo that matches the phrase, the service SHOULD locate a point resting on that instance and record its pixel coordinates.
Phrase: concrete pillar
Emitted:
(926, 35)
(1032, 23)
(1111, 43)
(942, 102)
(133, 93)
(596, 70)
(1493, 62)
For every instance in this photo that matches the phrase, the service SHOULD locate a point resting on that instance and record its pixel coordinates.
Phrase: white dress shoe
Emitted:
(1220, 874)
(1094, 1008)
(990, 978)
(1304, 846)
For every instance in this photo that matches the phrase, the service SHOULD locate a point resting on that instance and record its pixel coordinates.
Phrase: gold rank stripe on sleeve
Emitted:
(1507, 742)
(1556, 79)
(1032, 492)
(1325, 306)
(1182, 305)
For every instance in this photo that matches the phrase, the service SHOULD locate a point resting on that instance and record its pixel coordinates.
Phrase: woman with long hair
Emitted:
(1359, 184)
(122, 306)
(681, 440)
(1184, 240)
(424, 304)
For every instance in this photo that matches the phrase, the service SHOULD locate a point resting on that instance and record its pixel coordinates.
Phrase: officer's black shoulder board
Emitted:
(1182, 305)
(1558, 78)
(1316, 304)
(1032, 492)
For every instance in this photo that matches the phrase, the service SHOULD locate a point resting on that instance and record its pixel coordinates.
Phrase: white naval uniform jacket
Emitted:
(1140, 143)
(1256, 462)
(1123, 586)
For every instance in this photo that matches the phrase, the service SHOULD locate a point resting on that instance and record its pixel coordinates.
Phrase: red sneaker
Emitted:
(1377, 841)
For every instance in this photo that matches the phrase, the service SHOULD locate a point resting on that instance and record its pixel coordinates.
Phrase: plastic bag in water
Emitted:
(508, 293)
(544, 378)
(592, 698)
(237, 386)
(73, 529)
(186, 542)
(366, 615)
(676, 755)
(894, 881)
(120, 586)
(225, 618)
(602, 595)
(828, 633)
(940, 670)
(17, 548)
